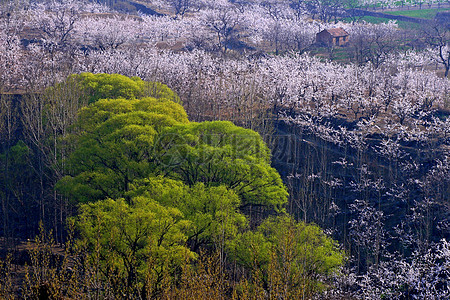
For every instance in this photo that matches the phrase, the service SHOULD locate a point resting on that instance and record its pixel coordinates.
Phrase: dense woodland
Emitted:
(201, 149)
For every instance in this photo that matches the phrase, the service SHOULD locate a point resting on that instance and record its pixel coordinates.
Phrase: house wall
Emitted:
(343, 40)
(328, 39)
(324, 37)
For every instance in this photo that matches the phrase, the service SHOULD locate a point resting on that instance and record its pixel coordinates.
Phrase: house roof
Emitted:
(337, 32)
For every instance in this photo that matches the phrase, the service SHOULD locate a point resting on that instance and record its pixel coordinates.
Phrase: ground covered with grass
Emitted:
(418, 13)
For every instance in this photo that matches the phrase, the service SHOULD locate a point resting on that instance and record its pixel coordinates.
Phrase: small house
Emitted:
(332, 37)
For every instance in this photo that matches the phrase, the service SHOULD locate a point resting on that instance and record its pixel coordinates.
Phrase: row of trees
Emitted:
(58, 37)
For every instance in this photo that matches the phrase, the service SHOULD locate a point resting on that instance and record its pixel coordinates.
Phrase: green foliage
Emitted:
(177, 183)
(213, 212)
(125, 238)
(115, 146)
(415, 13)
(292, 255)
(154, 228)
(251, 249)
(159, 90)
(220, 153)
(16, 156)
(14, 173)
(112, 86)
(123, 140)
(179, 188)
(315, 252)
(102, 86)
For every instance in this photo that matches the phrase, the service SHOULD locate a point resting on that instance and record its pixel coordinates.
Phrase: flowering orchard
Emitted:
(362, 145)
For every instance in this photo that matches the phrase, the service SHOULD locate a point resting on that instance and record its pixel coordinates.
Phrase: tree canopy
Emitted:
(112, 86)
(220, 153)
(115, 145)
(292, 257)
(155, 187)
(121, 140)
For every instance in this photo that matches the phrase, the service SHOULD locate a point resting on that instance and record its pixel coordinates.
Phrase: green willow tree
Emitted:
(132, 240)
(221, 153)
(122, 140)
(213, 212)
(292, 259)
(113, 86)
(155, 190)
(115, 146)
(157, 231)
(141, 170)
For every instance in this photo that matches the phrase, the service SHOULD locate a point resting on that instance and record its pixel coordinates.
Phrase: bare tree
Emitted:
(182, 6)
(437, 37)
(225, 23)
